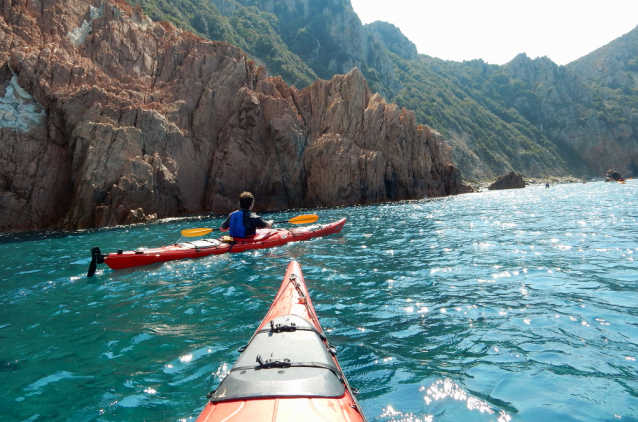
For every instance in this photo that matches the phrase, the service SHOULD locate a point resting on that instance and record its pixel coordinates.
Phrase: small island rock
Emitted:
(511, 180)
(613, 175)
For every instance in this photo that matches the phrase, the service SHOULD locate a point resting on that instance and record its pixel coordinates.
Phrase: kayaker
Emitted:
(243, 222)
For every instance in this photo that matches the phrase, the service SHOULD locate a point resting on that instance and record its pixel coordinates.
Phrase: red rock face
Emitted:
(108, 118)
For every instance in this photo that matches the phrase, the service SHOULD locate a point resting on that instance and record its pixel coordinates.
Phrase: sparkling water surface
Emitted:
(499, 306)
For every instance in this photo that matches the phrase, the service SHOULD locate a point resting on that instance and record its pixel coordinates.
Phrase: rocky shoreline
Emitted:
(482, 185)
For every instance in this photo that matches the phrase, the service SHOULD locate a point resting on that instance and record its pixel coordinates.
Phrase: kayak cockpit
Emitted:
(201, 244)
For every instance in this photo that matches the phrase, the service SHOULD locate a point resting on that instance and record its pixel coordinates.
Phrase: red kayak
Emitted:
(265, 238)
(288, 371)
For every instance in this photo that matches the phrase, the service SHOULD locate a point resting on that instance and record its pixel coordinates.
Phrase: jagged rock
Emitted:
(109, 118)
(511, 180)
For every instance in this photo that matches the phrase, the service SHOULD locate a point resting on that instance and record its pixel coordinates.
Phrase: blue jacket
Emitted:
(243, 223)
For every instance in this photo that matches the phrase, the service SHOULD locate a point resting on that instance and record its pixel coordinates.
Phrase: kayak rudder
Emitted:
(96, 258)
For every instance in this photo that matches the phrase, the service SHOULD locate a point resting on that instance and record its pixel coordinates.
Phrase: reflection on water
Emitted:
(441, 390)
(498, 306)
(446, 388)
(389, 414)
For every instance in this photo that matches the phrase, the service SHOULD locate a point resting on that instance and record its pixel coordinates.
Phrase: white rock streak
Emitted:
(78, 35)
(18, 109)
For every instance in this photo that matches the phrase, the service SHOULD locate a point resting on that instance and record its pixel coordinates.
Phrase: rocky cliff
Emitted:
(108, 118)
(589, 105)
(611, 120)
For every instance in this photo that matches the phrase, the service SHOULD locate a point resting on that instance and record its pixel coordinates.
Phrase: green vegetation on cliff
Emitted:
(198, 16)
(254, 31)
(489, 132)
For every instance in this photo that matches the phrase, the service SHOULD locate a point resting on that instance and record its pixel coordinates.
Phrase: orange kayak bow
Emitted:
(288, 371)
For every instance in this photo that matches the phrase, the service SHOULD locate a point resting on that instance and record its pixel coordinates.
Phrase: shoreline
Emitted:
(482, 185)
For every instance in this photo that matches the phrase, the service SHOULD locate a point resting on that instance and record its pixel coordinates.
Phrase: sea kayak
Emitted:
(265, 238)
(288, 371)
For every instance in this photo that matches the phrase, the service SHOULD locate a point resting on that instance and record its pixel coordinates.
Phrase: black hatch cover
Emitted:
(293, 364)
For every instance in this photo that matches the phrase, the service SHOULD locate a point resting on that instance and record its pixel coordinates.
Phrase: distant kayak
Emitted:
(265, 238)
(288, 372)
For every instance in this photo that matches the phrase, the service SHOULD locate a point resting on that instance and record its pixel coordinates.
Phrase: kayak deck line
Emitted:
(288, 371)
(265, 238)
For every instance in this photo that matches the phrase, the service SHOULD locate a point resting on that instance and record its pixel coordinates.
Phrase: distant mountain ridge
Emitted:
(613, 65)
(530, 115)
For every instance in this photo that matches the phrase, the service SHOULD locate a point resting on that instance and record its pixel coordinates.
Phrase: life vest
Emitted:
(236, 225)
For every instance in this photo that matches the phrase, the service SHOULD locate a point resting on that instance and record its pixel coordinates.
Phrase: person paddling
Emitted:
(243, 222)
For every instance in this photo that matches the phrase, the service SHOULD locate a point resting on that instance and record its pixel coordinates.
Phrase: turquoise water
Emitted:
(511, 305)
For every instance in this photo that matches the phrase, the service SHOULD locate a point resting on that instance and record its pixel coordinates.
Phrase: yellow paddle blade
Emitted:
(304, 219)
(195, 232)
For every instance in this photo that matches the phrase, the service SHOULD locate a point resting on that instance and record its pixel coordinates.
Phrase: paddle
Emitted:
(196, 232)
(302, 219)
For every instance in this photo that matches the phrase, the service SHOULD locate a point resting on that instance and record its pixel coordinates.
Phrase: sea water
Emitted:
(500, 306)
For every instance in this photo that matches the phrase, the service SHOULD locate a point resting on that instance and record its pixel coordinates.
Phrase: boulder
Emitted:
(613, 175)
(511, 180)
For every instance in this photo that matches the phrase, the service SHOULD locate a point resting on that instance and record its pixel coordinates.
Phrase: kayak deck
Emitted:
(288, 371)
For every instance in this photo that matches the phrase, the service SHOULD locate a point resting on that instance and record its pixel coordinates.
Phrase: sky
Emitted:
(498, 30)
